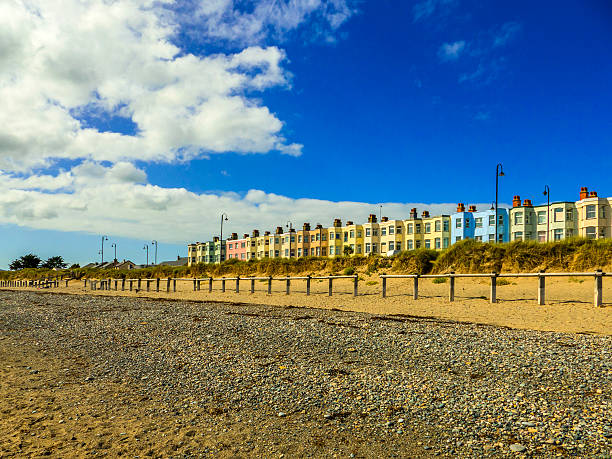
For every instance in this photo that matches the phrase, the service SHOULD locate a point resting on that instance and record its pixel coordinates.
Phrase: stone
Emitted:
(517, 448)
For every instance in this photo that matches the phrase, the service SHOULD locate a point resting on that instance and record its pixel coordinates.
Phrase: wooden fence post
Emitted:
(210, 284)
(237, 284)
(270, 285)
(84, 283)
(598, 298)
(308, 285)
(415, 288)
(139, 283)
(355, 285)
(157, 285)
(451, 286)
(223, 284)
(288, 285)
(168, 285)
(493, 287)
(384, 287)
(148, 285)
(174, 285)
(131, 281)
(123, 284)
(330, 287)
(541, 289)
(252, 285)
(199, 285)
(66, 283)
(194, 285)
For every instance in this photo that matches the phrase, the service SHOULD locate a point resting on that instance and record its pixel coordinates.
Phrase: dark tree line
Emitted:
(33, 261)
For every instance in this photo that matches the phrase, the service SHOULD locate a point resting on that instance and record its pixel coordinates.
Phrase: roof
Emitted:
(181, 261)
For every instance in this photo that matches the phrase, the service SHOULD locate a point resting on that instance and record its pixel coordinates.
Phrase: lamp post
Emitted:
(547, 194)
(289, 225)
(380, 212)
(155, 244)
(223, 215)
(104, 238)
(146, 247)
(499, 172)
(114, 245)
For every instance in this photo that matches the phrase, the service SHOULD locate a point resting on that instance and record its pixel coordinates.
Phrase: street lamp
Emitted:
(155, 244)
(289, 225)
(547, 194)
(380, 212)
(223, 215)
(146, 247)
(499, 172)
(114, 245)
(104, 238)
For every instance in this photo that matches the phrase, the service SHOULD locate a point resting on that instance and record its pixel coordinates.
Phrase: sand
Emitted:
(569, 301)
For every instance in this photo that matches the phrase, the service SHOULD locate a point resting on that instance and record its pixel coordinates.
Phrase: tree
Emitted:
(27, 261)
(75, 266)
(54, 262)
(348, 250)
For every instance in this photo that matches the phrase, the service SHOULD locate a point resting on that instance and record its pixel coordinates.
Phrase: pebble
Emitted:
(517, 448)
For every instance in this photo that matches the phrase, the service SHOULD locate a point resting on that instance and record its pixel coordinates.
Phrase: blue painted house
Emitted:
(478, 225)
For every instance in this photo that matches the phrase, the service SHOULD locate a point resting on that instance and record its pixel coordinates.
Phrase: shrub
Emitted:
(439, 280)
(349, 271)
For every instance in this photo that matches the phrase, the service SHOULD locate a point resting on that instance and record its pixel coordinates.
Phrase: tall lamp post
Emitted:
(114, 245)
(289, 225)
(104, 238)
(155, 244)
(499, 172)
(146, 247)
(547, 194)
(223, 216)
(380, 212)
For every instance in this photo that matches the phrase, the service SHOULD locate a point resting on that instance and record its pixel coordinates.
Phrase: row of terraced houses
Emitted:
(590, 217)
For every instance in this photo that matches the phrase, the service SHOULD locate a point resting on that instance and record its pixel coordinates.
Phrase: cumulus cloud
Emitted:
(60, 59)
(423, 10)
(451, 51)
(117, 200)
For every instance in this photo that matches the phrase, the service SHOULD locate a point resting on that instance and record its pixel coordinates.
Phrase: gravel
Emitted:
(453, 389)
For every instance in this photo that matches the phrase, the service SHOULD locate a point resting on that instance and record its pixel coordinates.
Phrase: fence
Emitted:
(541, 276)
(169, 284)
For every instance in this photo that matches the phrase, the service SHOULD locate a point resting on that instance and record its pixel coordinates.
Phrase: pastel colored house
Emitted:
(334, 237)
(371, 236)
(436, 231)
(236, 248)
(541, 223)
(391, 236)
(478, 225)
(274, 245)
(288, 244)
(594, 215)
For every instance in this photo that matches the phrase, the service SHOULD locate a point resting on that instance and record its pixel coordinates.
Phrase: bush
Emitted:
(439, 280)
(349, 271)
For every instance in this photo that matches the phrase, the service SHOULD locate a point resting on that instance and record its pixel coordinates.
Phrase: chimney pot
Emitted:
(527, 203)
(349, 223)
(584, 193)
(460, 207)
(593, 194)
(425, 214)
(279, 230)
(245, 235)
(516, 201)
(337, 223)
(306, 227)
(472, 209)
(384, 219)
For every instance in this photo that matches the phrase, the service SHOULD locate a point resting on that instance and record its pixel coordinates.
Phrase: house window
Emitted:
(591, 231)
(359, 233)
(230, 246)
(398, 245)
(467, 222)
(375, 248)
(383, 231)
(299, 238)
(286, 252)
(417, 244)
(331, 250)
(276, 240)
(368, 232)
(318, 252)
(427, 228)
(541, 217)
(591, 211)
(331, 236)
(417, 228)
(323, 252)
(438, 225)
(437, 243)
(501, 219)
(541, 236)
(292, 238)
(242, 245)
(368, 247)
(492, 237)
(491, 220)
(391, 230)
(374, 232)
(458, 223)
(518, 236)
(409, 245)
(518, 219)
(457, 238)
(312, 238)
(299, 252)
(358, 248)
(352, 235)
(398, 230)
(324, 237)
(391, 246)
(242, 255)
(478, 221)
(318, 238)
(558, 234)
(569, 215)
(428, 243)
(445, 243)
(409, 228)
(345, 237)
(558, 214)
(478, 238)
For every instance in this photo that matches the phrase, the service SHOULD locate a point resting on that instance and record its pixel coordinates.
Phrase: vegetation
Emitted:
(463, 257)
(26, 261)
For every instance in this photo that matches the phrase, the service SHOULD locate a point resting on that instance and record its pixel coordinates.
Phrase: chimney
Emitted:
(584, 193)
(593, 194)
(372, 218)
(306, 227)
(384, 219)
(255, 233)
(216, 239)
(267, 233)
(413, 213)
(527, 203)
(516, 201)
(178, 257)
(472, 209)
(319, 226)
(245, 235)
(279, 230)
(337, 223)
(425, 214)
(349, 223)
(234, 236)
(460, 207)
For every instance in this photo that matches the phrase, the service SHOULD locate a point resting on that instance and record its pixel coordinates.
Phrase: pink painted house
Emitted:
(236, 248)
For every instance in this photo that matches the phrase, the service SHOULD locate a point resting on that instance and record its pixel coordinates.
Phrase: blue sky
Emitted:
(317, 109)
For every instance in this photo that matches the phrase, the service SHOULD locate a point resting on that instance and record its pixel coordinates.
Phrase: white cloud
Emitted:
(425, 9)
(506, 33)
(231, 20)
(61, 58)
(451, 51)
(117, 200)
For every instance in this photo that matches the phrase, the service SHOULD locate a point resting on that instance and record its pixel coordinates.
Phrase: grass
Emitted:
(467, 256)
(439, 280)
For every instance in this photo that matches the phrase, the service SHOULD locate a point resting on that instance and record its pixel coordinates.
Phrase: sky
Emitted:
(146, 120)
